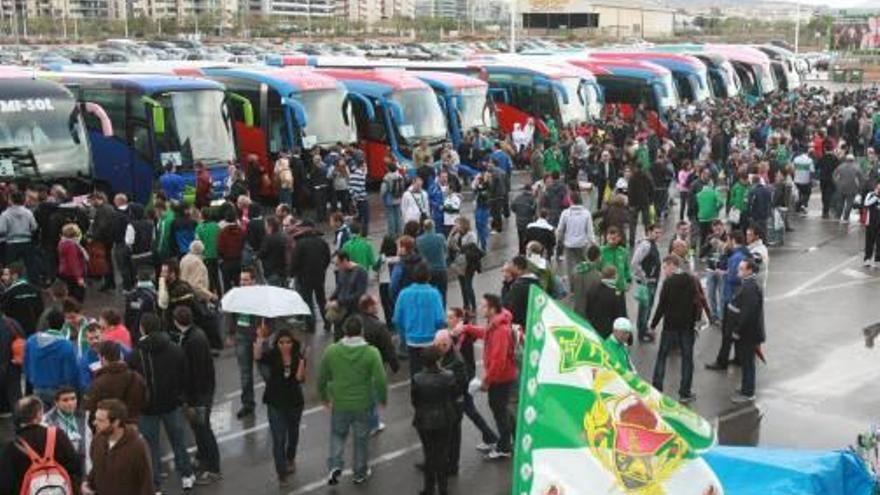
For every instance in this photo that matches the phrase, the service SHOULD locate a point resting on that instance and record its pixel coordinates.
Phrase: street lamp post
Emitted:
(797, 27)
(513, 26)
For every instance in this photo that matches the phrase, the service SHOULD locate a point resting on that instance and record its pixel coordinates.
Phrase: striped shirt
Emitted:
(357, 184)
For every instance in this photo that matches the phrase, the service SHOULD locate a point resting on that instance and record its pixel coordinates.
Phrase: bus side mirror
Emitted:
(365, 103)
(101, 115)
(158, 114)
(396, 111)
(247, 108)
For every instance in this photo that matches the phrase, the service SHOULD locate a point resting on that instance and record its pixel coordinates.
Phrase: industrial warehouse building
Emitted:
(607, 18)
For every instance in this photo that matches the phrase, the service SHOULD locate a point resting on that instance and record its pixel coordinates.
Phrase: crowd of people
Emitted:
(100, 386)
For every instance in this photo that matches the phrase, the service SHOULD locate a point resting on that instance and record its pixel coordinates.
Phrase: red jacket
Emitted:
(204, 184)
(230, 242)
(71, 261)
(498, 351)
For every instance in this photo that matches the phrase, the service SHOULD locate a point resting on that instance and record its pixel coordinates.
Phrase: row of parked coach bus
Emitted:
(116, 126)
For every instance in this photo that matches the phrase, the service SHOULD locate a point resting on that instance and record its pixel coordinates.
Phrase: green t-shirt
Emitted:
(207, 232)
(360, 251)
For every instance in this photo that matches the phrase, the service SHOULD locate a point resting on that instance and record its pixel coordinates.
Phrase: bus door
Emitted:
(372, 134)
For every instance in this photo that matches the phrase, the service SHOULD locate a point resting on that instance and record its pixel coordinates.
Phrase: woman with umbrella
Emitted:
(286, 365)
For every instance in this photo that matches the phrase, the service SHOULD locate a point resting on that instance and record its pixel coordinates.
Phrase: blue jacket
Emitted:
(86, 361)
(731, 276)
(419, 313)
(172, 185)
(502, 161)
(50, 361)
(432, 247)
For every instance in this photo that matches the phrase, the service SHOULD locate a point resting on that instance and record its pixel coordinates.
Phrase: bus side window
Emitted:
(113, 102)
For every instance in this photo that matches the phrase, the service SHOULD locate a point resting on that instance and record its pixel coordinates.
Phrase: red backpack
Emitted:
(44, 476)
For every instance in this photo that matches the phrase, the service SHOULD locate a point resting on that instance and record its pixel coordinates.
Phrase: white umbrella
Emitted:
(264, 300)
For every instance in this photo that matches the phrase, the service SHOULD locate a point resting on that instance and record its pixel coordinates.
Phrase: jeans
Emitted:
(684, 198)
(173, 423)
(499, 402)
(122, 263)
(285, 196)
(362, 208)
(244, 355)
(392, 217)
(415, 359)
(10, 388)
(439, 280)
(481, 224)
(213, 275)
(872, 243)
(231, 273)
(847, 205)
(375, 421)
(310, 295)
(828, 189)
(714, 283)
(284, 427)
(206, 443)
(645, 309)
(573, 256)
(470, 410)
(684, 340)
(804, 192)
(436, 444)
(634, 212)
(340, 423)
(468, 297)
(746, 354)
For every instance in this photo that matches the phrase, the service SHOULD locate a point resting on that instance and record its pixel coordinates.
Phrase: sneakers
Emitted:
(687, 399)
(208, 478)
(496, 454)
(188, 482)
(740, 398)
(333, 479)
(244, 412)
(485, 447)
(379, 429)
(362, 478)
(868, 264)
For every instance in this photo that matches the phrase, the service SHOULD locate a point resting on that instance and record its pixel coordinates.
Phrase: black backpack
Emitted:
(397, 187)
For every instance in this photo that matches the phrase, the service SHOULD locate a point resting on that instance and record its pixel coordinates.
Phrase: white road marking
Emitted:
(825, 288)
(818, 278)
(853, 273)
(382, 459)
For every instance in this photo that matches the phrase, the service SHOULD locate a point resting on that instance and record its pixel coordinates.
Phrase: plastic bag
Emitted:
(642, 294)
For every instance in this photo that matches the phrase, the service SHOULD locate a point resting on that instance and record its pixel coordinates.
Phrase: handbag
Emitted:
(99, 265)
(734, 216)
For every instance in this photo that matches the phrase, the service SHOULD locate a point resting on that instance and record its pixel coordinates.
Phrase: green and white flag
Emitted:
(587, 426)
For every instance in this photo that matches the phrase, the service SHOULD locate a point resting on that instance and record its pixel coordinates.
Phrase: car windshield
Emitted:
(474, 112)
(576, 109)
(44, 131)
(325, 122)
(197, 128)
(422, 116)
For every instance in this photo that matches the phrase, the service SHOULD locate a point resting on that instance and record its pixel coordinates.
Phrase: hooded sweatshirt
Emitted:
(499, 360)
(163, 365)
(351, 375)
(50, 361)
(17, 224)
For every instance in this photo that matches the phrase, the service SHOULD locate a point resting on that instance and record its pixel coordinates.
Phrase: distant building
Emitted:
(617, 18)
(398, 8)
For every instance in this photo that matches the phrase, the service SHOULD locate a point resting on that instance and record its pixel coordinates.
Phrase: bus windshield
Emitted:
(422, 116)
(46, 132)
(669, 98)
(765, 78)
(197, 128)
(576, 109)
(326, 124)
(474, 112)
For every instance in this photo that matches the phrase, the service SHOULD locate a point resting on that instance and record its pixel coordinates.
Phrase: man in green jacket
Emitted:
(351, 381)
(616, 343)
(709, 203)
(359, 249)
(553, 159)
(615, 253)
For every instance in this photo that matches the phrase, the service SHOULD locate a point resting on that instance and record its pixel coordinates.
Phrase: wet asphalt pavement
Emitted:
(817, 389)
